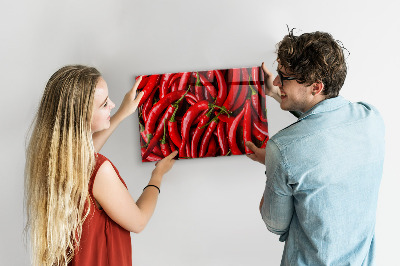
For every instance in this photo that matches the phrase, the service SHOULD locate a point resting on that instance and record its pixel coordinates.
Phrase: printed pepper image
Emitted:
(202, 113)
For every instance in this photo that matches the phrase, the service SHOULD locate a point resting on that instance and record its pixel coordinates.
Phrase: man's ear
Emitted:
(317, 88)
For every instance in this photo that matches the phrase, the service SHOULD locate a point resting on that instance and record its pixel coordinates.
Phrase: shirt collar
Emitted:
(325, 106)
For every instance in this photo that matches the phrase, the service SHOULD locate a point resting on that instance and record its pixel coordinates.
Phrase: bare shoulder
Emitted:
(106, 179)
(114, 198)
(106, 169)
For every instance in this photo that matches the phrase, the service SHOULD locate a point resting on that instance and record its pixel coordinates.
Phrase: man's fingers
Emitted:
(252, 156)
(251, 146)
(265, 69)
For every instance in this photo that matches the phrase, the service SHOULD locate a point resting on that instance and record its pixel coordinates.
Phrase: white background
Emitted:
(208, 208)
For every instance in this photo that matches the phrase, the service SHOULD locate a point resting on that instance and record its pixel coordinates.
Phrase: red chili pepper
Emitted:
(244, 90)
(232, 134)
(263, 110)
(255, 100)
(143, 82)
(247, 125)
(222, 140)
(215, 132)
(199, 92)
(257, 134)
(208, 96)
(259, 128)
(212, 148)
(164, 88)
(207, 136)
(188, 119)
(151, 157)
(174, 86)
(164, 145)
(147, 105)
(157, 150)
(174, 132)
(150, 85)
(259, 107)
(222, 88)
(159, 107)
(198, 118)
(198, 132)
(210, 75)
(143, 133)
(241, 98)
(234, 88)
(159, 131)
(209, 87)
(264, 144)
(142, 142)
(187, 150)
(171, 144)
(255, 74)
(226, 118)
(174, 78)
(190, 98)
(184, 80)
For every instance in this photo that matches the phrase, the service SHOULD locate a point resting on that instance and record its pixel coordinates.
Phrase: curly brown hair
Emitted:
(314, 57)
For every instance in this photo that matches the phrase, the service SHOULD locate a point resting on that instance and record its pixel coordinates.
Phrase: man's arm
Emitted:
(276, 206)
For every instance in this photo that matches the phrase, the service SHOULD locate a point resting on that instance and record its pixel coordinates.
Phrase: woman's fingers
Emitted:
(136, 85)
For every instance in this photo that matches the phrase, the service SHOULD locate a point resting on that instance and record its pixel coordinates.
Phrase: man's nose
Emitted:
(277, 81)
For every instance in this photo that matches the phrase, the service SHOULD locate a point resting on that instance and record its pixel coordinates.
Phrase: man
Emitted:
(323, 171)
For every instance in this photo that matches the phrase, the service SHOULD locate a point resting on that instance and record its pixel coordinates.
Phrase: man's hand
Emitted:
(258, 155)
(270, 89)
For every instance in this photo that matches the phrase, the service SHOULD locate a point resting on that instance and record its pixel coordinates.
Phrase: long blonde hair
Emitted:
(59, 162)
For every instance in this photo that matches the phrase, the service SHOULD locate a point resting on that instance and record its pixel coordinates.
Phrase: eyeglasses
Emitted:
(282, 78)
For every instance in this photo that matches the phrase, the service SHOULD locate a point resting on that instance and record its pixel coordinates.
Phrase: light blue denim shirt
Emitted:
(323, 175)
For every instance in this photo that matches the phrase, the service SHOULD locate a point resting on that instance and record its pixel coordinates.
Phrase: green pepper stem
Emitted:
(253, 91)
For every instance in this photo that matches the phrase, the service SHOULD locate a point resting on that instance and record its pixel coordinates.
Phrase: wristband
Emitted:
(152, 186)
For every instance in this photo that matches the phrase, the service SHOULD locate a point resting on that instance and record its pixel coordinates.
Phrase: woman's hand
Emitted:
(131, 101)
(258, 155)
(163, 166)
(270, 89)
(128, 106)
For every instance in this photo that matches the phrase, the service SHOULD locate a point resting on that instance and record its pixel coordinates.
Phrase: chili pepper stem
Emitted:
(253, 91)
(266, 137)
(163, 140)
(215, 118)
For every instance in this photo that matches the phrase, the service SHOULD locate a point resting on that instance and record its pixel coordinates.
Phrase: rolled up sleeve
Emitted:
(277, 208)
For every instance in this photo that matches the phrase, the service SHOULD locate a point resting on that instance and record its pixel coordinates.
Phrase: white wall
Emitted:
(208, 208)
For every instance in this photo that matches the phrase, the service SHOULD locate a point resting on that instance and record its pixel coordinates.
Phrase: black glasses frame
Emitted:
(282, 78)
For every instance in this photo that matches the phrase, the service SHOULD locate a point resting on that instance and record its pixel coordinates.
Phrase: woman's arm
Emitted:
(128, 106)
(116, 201)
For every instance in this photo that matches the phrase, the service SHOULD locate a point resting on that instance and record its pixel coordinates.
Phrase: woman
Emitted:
(78, 207)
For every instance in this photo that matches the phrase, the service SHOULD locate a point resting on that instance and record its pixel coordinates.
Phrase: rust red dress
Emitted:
(103, 241)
